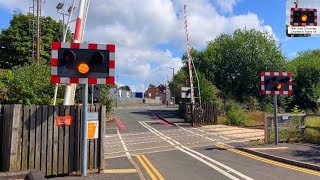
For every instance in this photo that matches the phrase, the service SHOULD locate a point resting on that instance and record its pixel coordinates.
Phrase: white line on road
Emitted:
(196, 154)
(210, 133)
(129, 156)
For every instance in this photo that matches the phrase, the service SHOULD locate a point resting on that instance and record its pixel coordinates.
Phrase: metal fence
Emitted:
(30, 139)
(292, 127)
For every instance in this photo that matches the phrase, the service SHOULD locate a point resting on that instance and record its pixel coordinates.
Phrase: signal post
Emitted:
(276, 83)
(80, 63)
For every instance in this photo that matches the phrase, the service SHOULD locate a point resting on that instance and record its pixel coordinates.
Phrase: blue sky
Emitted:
(144, 55)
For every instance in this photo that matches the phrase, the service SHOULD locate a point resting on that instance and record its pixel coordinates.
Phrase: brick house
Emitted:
(154, 92)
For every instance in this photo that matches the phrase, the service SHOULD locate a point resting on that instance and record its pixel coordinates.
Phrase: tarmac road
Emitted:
(140, 146)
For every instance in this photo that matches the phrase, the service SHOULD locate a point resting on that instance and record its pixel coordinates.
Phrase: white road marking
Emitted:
(212, 134)
(196, 154)
(129, 156)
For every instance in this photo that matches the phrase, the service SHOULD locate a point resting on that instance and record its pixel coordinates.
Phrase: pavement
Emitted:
(298, 154)
(140, 145)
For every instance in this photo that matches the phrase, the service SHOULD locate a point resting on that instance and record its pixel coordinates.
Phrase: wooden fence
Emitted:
(30, 139)
(201, 114)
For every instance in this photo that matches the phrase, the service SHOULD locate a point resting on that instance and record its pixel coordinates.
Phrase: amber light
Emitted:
(83, 68)
(304, 18)
(279, 86)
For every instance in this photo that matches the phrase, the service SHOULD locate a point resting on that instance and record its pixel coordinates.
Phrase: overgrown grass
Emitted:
(254, 118)
(250, 118)
(286, 135)
(256, 142)
(312, 135)
(222, 120)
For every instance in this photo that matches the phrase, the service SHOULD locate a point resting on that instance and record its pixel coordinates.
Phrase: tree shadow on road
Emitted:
(215, 148)
(311, 154)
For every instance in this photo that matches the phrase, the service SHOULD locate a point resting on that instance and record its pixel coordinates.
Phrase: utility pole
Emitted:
(38, 31)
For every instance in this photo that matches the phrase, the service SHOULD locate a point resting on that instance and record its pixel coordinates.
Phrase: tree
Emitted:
(29, 84)
(179, 80)
(16, 40)
(306, 79)
(126, 88)
(208, 91)
(234, 62)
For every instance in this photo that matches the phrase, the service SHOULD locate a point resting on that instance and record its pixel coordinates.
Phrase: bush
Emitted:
(234, 114)
(29, 84)
(105, 98)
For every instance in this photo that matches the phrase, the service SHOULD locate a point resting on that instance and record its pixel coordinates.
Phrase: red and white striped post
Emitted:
(71, 88)
(189, 56)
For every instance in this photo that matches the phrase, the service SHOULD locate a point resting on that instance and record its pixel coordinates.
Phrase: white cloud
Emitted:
(227, 5)
(140, 27)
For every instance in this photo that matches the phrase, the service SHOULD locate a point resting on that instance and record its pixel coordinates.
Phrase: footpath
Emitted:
(297, 154)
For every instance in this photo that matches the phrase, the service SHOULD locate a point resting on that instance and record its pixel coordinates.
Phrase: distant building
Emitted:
(154, 92)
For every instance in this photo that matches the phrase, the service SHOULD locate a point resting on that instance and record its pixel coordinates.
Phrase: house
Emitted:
(154, 92)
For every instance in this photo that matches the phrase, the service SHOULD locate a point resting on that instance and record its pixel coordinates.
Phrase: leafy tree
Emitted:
(6, 76)
(208, 91)
(29, 84)
(16, 40)
(179, 80)
(234, 62)
(306, 79)
(127, 88)
(105, 98)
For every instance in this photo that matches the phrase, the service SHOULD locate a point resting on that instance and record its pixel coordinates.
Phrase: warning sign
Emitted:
(64, 120)
(93, 125)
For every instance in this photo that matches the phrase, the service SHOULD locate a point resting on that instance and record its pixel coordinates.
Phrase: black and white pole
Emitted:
(84, 130)
(275, 104)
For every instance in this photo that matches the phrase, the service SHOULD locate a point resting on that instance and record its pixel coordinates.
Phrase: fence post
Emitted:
(101, 136)
(11, 138)
(265, 128)
(16, 138)
(215, 113)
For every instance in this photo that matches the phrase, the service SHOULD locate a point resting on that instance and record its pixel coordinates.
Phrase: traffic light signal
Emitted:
(82, 63)
(276, 83)
(303, 17)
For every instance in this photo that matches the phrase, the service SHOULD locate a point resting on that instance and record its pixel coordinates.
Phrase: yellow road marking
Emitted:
(115, 171)
(146, 168)
(308, 171)
(274, 148)
(152, 167)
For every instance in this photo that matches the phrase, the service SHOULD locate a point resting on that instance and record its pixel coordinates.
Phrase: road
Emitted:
(140, 146)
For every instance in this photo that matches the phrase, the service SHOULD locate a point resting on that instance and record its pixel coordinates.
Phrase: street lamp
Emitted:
(172, 78)
(64, 35)
(59, 6)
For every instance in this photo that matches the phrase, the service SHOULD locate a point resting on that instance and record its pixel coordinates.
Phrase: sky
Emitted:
(149, 34)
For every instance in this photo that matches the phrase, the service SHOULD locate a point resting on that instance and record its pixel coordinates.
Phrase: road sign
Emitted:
(185, 92)
(303, 17)
(93, 125)
(64, 120)
(81, 63)
(276, 83)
